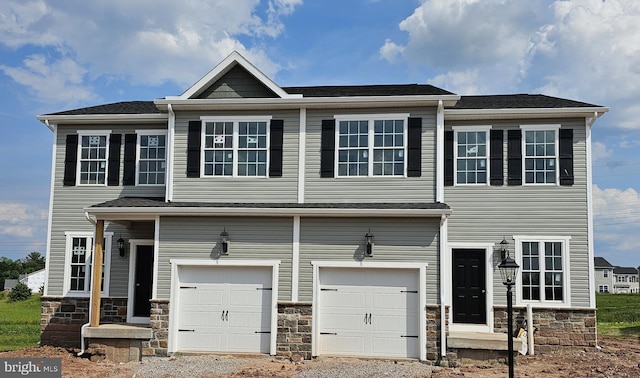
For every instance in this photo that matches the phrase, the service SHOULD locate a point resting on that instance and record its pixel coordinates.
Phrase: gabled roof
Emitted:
(221, 69)
(601, 262)
(624, 270)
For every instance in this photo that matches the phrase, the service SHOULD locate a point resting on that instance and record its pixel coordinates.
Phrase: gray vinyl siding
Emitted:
(396, 239)
(250, 239)
(237, 83)
(488, 213)
(370, 189)
(68, 214)
(238, 189)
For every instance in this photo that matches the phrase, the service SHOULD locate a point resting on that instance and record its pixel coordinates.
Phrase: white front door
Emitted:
(369, 312)
(226, 309)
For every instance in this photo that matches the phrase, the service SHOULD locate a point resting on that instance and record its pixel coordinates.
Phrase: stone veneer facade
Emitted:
(553, 328)
(62, 317)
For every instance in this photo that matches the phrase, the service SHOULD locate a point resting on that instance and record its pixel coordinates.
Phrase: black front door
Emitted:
(469, 286)
(143, 281)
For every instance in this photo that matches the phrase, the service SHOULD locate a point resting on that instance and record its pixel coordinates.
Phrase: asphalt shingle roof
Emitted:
(128, 202)
(123, 107)
(624, 270)
(601, 262)
(509, 101)
(367, 90)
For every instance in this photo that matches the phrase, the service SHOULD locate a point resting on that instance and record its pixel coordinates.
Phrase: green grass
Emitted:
(19, 323)
(618, 314)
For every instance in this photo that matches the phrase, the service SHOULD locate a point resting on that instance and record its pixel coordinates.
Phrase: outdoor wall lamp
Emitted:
(120, 243)
(368, 238)
(508, 270)
(224, 242)
(504, 249)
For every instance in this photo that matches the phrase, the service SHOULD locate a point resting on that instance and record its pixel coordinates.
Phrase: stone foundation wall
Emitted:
(553, 328)
(434, 328)
(159, 322)
(62, 317)
(294, 331)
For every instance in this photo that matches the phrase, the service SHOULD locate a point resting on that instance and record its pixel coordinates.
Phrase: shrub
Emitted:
(19, 292)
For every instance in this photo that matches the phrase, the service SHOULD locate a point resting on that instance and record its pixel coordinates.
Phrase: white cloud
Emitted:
(600, 151)
(617, 218)
(587, 50)
(17, 219)
(466, 82)
(59, 81)
(145, 42)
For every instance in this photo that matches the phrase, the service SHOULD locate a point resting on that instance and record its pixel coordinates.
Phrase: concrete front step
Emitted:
(480, 340)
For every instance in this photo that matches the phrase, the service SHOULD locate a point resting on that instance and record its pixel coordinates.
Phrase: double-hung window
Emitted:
(603, 288)
(93, 152)
(543, 269)
(540, 152)
(471, 146)
(371, 145)
(152, 150)
(79, 260)
(235, 146)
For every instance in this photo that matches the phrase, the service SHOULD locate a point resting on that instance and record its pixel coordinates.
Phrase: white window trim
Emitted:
(69, 235)
(141, 133)
(566, 284)
(81, 133)
(550, 127)
(370, 118)
(456, 130)
(236, 120)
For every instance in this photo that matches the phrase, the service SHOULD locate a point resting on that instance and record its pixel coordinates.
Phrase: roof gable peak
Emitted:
(231, 61)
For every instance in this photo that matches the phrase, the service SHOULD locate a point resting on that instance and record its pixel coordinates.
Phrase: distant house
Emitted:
(603, 275)
(9, 284)
(34, 280)
(625, 280)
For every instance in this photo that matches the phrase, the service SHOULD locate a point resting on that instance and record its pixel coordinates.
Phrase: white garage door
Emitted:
(368, 312)
(224, 309)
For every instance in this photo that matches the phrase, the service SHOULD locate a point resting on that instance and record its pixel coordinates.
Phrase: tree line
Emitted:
(12, 269)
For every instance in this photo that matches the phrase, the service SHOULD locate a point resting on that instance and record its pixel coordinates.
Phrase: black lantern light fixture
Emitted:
(508, 270)
(504, 248)
(120, 243)
(368, 248)
(224, 242)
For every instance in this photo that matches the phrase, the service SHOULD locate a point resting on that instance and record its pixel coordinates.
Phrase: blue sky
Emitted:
(60, 55)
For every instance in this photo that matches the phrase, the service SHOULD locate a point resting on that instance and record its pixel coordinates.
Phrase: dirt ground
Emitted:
(616, 358)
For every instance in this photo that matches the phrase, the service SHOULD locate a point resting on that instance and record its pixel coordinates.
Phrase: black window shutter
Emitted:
(70, 160)
(275, 158)
(414, 144)
(514, 166)
(448, 158)
(566, 156)
(193, 149)
(496, 155)
(327, 147)
(129, 172)
(113, 176)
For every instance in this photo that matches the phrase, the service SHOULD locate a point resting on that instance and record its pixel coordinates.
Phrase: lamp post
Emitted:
(508, 270)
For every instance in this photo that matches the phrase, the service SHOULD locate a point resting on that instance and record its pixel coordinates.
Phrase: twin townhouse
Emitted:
(242, 216)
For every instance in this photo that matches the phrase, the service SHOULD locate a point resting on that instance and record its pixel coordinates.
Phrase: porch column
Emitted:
(96, 278)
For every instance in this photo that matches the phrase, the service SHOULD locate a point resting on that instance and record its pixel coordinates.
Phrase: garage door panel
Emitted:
(226, 308)
(348, 345)
(369, 312)
(394, 346)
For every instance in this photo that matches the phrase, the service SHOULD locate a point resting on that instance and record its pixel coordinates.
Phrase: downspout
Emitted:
(443, 224)
(84, 326)
(170, 155)
(443, 293)
(590, 250)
